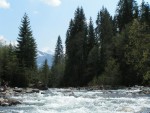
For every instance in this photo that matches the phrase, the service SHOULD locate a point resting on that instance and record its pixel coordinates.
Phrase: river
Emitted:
(81, 101)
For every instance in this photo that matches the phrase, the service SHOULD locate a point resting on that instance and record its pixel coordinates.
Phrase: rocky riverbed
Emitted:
(9, 96)
(6, 95)
(81, 100)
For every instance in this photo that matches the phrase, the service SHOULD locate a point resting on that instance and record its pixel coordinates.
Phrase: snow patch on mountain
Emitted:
(42, 56)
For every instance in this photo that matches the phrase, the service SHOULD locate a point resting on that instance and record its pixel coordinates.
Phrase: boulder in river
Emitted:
(8, 102)
(127, 109)
(13, 102)
(18, 90)
(35, 90)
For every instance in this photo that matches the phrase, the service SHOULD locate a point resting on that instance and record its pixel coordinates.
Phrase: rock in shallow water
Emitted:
(8, 102)
(127, 109)
(18, 90)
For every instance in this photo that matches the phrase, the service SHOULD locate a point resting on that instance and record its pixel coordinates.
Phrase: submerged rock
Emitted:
(127, 109)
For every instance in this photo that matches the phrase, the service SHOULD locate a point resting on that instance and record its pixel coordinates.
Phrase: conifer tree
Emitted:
(76, 50)
(92, 68)
(91, 42)
(145, 13)
(26, 53)
(137, 52)
(127, 10)
(105, 33)
(92, 59)
(57, 69)
(45, 73)
(12, 65)
(59, 54)
(26, 48)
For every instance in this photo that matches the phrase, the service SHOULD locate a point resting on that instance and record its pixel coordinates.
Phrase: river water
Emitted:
(81, 101)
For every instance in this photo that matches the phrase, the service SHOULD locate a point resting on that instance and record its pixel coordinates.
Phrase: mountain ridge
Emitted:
(42, 56)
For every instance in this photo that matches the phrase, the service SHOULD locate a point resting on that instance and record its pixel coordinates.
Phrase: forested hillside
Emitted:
(113, 50)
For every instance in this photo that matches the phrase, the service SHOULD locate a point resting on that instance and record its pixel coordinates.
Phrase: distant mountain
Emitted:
(41, 56)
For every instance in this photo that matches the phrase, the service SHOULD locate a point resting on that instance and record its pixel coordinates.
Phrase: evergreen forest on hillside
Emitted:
(115, 52)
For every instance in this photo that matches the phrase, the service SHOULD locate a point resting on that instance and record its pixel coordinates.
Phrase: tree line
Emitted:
(116, 51)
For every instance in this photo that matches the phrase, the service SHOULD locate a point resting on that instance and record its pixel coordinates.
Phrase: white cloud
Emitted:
(2, 38)
(54, 3)
(4, 4)
(14, 43)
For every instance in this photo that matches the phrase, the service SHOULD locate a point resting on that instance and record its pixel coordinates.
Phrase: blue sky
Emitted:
(48, 18)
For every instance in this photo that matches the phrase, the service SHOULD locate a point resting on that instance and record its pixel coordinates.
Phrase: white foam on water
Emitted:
(81, 101)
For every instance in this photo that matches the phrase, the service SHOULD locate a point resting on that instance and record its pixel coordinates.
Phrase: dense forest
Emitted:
(115, 52)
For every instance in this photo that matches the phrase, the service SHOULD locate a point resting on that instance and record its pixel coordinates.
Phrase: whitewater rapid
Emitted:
(81, 101)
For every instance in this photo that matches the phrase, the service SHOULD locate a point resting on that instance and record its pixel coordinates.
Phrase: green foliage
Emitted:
(111, 75)
(147, 78)
(57, 69)
(26, 48)
(127, 10)
(76, 50)
(104, 33)
(91, 69)
(91, 41)
(145, 13)
(44, 77)
(116, 52)
(92, 65)
(59, 55)
(137, 50)
(57, 73)
(24, 56)
(8, 63)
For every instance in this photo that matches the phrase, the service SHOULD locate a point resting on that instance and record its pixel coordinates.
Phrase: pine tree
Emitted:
(26, 53)
(57, 69)
(76, 50)
(105, 33)
(26, 48)
(127, 10)
(145, 13)
(8, 64)
(111, 75)
(59, 54)
(91, 41)
(92, 68)
(12, 65)
(45, 73)
(92, 59)
(137, 52)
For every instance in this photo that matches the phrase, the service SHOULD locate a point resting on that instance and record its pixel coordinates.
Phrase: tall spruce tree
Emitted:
(127, 10)
(91, 41)
(57, 70)
(45, 73)
(76, 50)
(26, 53)
(145, 13)
(92, 59)
(59, 54)
(26, 48)
(137, 52)
(104, 31)
(12, 65)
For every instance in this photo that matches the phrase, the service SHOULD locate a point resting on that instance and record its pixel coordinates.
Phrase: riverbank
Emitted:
(5, 95)
(7, 100)
(74, 100)
(141, 89)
